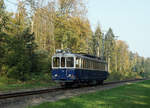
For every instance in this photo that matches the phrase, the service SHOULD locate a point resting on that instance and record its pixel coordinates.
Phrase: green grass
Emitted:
(129, 96)
(12, 85)
(26, 85)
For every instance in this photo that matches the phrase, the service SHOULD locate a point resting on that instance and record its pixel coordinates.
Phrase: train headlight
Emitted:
(56, 75)
(69, 75)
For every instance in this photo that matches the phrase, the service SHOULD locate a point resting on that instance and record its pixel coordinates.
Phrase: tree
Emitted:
(147, 68)
(98, 42)
(18, 21)
(123, 59)
(3, 16)
(70, 30)
(109, 49)
(73, 8)
(18, 46)
(19, 57)
(42, 24)
(94, 45)
(3, 36)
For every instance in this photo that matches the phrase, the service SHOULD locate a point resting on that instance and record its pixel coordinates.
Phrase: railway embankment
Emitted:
(131, 95)
(32, 100)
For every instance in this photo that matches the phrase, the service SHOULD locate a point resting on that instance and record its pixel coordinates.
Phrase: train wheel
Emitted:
(67, 85)
(90, 83)
(102, 82)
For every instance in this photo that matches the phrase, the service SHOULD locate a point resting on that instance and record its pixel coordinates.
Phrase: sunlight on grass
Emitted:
(145, 85)
(27, 85)
(99, 102)
(129, 96)
(1, 84)
(139, 102)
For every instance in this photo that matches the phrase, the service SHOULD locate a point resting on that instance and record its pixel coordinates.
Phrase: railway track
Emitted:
(36, 92)
(27, 93)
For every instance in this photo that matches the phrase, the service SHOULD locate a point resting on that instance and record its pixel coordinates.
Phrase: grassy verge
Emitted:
(129, 96)
(10, 84)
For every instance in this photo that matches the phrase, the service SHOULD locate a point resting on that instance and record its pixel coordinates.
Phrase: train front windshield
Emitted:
(56, 62)
(63, 62)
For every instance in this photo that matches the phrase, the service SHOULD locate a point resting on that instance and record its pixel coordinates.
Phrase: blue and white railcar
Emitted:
(78, 68)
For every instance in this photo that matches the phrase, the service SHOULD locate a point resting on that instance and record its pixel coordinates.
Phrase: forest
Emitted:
(30, 36)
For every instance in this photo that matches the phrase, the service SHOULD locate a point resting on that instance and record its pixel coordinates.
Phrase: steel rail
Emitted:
(27, 93)
(36, 92)
(115, 82)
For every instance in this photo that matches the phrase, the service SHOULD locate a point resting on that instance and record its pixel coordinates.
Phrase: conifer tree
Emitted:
(109, 48)
(99, 40)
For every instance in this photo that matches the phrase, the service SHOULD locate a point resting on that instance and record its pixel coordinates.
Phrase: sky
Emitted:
(129, 19)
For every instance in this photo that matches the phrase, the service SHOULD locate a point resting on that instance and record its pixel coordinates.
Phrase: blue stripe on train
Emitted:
(78, 74)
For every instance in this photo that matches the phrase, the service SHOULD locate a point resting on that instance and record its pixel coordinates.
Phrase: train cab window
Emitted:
(56, 62)
(70, 61)
(77, 62)
(63, 62)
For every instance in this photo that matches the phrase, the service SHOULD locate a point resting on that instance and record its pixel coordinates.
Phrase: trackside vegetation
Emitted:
(7, 84)
(135, 95)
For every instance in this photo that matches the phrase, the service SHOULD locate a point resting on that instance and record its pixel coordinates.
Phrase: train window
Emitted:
(77, 62)
(91, 64)
(63, 62)
(88, 64)
(103, 68)
(96, 64)
(99, 66)
(81, 63)
(56, 62)
(84, 63)
(70, 61)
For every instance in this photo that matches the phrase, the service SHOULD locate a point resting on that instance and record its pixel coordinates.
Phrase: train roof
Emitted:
(82, 55)
(91, 56)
